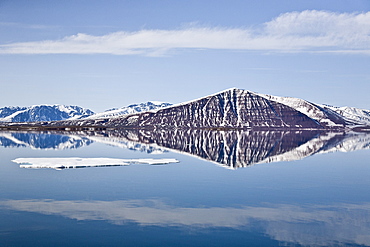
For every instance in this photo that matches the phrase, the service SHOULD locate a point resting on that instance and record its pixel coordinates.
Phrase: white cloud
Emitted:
(307, 31)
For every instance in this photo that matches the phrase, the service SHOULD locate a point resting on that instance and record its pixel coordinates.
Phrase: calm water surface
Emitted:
(228, 189)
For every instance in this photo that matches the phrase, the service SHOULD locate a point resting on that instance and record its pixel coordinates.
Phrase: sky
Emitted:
(108, 53)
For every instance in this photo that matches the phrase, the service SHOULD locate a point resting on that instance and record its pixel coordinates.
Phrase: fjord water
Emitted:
(230, 188)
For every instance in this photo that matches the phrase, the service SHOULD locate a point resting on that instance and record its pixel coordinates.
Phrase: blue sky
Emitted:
(104, 54)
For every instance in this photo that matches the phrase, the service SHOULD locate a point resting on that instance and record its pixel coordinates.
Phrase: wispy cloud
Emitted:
(307, 31)
(26, 26)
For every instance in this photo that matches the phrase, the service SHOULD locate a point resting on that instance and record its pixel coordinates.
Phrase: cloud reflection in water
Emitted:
(343, 223)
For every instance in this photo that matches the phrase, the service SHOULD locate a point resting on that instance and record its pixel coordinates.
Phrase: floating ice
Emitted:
(75, 162)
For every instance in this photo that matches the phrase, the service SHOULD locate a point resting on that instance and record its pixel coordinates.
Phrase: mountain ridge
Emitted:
(130, 109)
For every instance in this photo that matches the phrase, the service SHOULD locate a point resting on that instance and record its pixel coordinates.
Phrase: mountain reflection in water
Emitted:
(232, 149)
(42, 140)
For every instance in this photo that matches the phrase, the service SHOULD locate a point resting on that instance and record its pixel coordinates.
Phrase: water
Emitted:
(228, 189)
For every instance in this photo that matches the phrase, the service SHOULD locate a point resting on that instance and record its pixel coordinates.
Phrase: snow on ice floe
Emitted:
(76, 162)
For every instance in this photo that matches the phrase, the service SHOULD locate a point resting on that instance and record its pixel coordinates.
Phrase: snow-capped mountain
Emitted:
(231, 109)
(42, 113)
(134, 108)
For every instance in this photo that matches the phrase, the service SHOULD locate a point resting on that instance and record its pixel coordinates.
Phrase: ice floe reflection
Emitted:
(320, 225)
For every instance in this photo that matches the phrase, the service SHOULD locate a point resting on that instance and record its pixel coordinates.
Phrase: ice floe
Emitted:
(76, 162)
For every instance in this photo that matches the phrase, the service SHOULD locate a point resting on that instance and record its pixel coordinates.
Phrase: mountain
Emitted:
(42, 113)
(134, 108)
(229, 109)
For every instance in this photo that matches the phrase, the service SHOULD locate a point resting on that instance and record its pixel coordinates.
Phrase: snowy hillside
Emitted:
(325, 117)
(324, 114)
(351, 114)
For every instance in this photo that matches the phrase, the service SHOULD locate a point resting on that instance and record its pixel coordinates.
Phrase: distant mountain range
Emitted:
(42, 113)
(39, 113)
(229, 109)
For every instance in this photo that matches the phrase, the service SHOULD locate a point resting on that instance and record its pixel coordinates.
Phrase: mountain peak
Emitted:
(232, 90)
